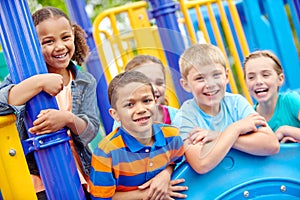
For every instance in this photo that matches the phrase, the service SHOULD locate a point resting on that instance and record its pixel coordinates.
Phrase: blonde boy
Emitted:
(133, 162)
(215, 121)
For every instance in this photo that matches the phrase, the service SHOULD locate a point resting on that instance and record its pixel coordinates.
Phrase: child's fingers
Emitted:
(195, 130)
(256, 120)
(145, 185)
(38, 121)
(260, 122)
(178, 195)
(199, 139)
(31, 130)
(256, 116)
(287, 139)
(45, 130)
(169, 198)
(177, 181)
(175, 190)
(39, 130)
(41, 126)
(35, 129)
(179, 188)
(43, 112)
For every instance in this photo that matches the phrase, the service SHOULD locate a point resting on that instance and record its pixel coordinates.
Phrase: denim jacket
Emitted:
(84, 105)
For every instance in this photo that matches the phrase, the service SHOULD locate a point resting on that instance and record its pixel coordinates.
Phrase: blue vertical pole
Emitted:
(164, 12)
(297, 7)
(23, 54)
(277, 36)
(78, 14)
(295, 15)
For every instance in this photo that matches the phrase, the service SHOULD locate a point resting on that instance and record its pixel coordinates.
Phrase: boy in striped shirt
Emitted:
(136, 160)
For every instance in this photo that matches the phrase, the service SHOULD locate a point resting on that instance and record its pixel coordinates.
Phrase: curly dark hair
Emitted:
(81, 47)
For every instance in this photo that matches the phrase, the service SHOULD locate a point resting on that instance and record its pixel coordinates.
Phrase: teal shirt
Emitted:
(286, 111)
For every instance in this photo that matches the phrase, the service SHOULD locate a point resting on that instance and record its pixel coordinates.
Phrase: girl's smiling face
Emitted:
(154, 72)
(57, 40)
(261, 78)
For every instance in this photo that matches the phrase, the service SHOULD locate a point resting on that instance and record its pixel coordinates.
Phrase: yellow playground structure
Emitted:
(116, 46)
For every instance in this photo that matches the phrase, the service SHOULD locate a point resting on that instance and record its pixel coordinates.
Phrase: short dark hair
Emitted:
(123, 79)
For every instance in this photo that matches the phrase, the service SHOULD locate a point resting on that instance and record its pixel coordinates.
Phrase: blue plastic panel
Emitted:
(261, 176)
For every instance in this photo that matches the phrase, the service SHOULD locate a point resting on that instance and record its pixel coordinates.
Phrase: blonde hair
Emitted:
(200, 55)
(267, 54)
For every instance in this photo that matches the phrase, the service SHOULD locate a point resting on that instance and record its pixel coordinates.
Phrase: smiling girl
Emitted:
(264, 76)
(75, 91)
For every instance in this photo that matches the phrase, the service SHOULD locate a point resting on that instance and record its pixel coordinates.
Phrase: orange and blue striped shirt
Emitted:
(122, 163)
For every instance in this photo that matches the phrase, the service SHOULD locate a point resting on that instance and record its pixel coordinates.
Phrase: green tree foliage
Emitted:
(100, 5)
(37, 4)
(93, 7)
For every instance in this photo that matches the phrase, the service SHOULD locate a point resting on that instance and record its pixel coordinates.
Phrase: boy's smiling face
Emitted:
(208, 86)
(135, 107)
